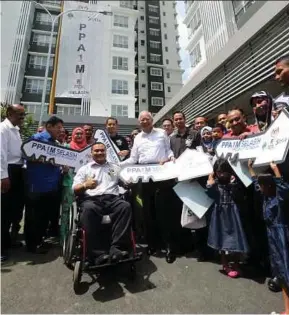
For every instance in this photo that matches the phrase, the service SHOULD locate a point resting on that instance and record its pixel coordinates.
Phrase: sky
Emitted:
(183, 40)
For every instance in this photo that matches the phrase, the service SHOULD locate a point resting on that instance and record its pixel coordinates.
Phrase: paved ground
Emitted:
(44, 285)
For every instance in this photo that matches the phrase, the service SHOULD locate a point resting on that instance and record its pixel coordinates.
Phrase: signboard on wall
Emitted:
(81, 39)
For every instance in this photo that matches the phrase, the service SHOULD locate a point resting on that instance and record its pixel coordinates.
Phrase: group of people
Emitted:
(243, 224)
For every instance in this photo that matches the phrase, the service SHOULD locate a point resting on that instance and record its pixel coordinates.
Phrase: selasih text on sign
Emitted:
(48, 153)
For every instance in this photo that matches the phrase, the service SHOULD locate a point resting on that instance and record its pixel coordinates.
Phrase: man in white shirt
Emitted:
(152, 146)
(12, 186)
(97, 183)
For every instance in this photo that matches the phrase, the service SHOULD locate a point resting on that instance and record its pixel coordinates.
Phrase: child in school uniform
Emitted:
(275, 192)
(226, 233)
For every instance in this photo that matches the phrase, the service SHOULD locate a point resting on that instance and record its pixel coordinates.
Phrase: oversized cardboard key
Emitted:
(263, 148)
(35, 150)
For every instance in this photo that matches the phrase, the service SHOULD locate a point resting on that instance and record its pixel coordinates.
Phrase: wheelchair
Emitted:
(74, 249)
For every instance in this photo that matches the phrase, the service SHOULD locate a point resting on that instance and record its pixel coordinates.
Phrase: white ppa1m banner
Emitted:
(81, 39)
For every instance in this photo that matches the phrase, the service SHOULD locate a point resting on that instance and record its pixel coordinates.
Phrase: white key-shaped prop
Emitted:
(263, 148)
(58, 155)
(155, 172)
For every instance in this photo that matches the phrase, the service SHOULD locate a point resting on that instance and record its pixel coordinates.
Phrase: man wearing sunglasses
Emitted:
(12, 187)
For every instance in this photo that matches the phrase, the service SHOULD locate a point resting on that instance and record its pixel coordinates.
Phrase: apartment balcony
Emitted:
(40, 48)
(33, 97)
(38, 72)
(52, 5)
(44, 27)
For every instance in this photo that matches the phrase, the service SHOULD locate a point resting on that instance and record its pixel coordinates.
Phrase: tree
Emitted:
(26, 130)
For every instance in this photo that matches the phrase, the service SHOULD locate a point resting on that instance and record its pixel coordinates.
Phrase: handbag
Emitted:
(190, 221)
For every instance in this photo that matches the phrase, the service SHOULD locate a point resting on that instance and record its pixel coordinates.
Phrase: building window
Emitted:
(157, 101)
(164, 2)
(35, 108)
(143, 57)
(142, 42)
(120, 41)
(119, 87)
(119, 63)
(143, 100)
(119, 110)
(169, 89)
(156, 86)
(165, 24)
(166, 36)
(143, 71)
(166, 49)
(158, 72)
(126, 4)
(36, 86)
(142, 17)
(143, 85)
(196, 55)
(153, 8)
(154, 44)
(44, 18)
(167, 61)
(120, 21)
(142, 31)
(164, 13)
(154, 20)
(155, 58)
(154, 32)
(241, 7)
(168, 75)
(39, 62)
(43, 39)
(195, 23)
(68, 110)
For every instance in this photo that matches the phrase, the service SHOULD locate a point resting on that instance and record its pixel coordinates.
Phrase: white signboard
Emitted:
(55, 154)
(194, 197)
(155, 172)
(275, 142)
(82, 34)
(111, 149)
(193, 164)
(264, 148)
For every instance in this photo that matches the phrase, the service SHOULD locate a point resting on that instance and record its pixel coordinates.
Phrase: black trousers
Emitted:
(162, 215)
(12, 204)
(38, 207)
(100, 236)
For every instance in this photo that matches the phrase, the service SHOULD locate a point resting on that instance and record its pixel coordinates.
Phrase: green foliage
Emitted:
(26, 130)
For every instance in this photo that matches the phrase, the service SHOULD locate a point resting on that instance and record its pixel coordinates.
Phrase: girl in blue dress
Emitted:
(226, 233)
(275, 192)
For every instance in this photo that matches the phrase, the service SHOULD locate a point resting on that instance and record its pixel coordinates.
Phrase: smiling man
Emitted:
(97, 184)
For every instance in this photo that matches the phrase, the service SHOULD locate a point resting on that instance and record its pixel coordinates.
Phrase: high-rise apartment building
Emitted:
(137, 66)
(159, 76)
(233, 47)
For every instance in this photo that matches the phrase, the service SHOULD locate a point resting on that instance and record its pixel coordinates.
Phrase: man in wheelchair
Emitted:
(96, 184)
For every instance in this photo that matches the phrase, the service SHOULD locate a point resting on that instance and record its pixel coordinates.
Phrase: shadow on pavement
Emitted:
(21, 256)
(109, 281)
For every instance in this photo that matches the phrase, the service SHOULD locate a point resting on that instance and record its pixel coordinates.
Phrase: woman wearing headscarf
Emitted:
(78, 142)
(207, 140)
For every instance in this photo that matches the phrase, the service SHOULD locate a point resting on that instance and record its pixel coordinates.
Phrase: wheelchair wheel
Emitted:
(77, 273)
(70, 239)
